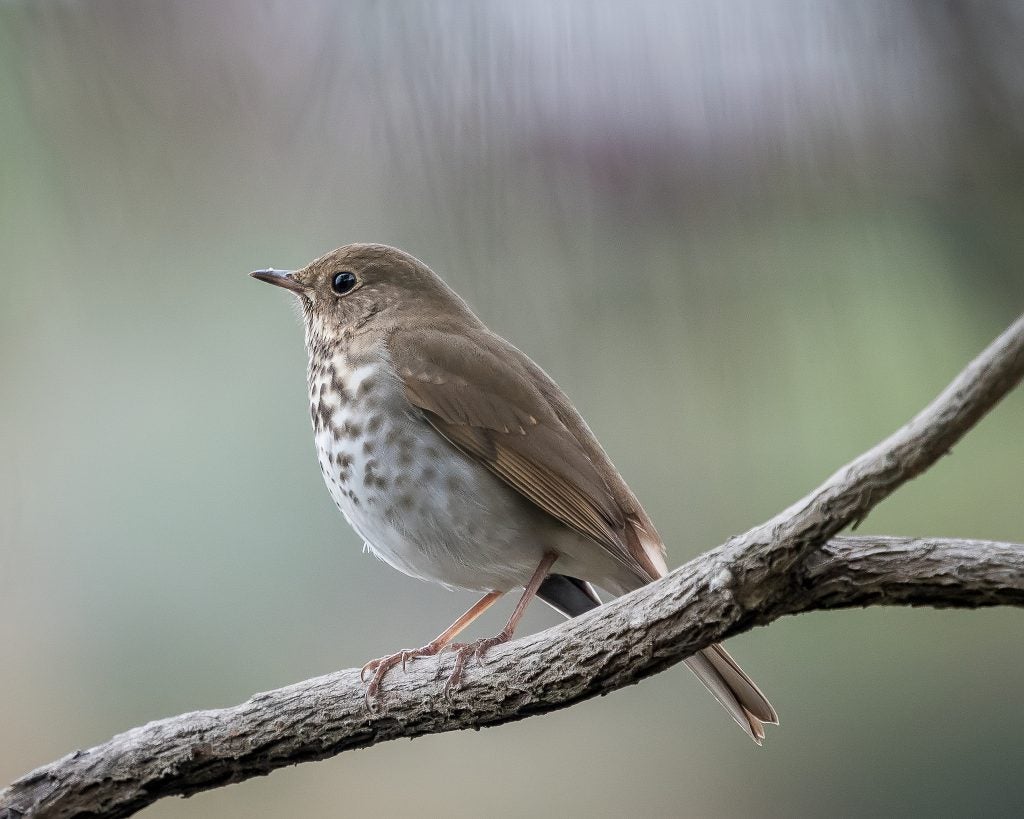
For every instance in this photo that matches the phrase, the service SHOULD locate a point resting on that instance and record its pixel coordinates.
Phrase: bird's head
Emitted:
(356, 285)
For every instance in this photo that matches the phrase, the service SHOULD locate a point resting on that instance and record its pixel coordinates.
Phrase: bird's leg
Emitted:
(463, 651)
(382, 665)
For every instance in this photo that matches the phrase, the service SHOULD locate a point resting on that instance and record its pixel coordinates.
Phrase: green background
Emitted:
(749, 239)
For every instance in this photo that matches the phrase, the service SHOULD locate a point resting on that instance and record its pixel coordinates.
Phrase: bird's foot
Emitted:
(382, 665)
(463, 651)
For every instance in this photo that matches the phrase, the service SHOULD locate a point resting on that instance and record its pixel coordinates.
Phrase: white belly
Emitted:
(418, 503)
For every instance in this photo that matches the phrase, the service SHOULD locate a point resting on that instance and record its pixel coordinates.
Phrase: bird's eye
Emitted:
(343, 282)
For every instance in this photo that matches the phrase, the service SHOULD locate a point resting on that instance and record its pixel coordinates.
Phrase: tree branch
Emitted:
(793, 563)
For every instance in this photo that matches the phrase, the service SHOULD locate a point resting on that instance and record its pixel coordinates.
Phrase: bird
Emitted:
(458, 460)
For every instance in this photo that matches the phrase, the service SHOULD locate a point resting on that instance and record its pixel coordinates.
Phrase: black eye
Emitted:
(343, 282)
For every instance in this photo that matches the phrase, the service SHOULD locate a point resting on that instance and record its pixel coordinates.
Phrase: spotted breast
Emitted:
(418, 503)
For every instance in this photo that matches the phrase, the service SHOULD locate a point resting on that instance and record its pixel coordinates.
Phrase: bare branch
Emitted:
(793, 563)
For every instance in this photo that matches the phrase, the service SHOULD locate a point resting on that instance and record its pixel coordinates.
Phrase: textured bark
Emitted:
(793, 563)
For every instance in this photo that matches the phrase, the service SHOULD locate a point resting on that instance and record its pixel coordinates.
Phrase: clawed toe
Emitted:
(382, 665)
(377, 669)
(463, 651)
(372, 665)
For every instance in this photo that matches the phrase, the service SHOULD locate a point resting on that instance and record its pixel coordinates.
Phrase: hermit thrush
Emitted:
(458, 460)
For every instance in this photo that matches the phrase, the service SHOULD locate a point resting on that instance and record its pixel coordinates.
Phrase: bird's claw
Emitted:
(382, 665)
(377, 669)
(463, 651)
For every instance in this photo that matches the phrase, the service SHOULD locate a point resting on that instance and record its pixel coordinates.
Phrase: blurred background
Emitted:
(749, 239)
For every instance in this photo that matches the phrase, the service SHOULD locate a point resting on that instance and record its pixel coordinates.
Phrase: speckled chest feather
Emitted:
(418, 503)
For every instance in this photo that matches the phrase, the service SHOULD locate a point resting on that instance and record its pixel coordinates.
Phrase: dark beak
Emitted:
(282, 278)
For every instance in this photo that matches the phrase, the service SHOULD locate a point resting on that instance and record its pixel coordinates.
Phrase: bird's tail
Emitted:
(731, 686)
(713, 666)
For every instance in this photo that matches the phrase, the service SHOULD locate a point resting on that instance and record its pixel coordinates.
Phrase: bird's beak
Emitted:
(282, 278)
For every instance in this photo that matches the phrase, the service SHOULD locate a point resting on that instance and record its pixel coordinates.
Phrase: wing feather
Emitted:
(489, 400)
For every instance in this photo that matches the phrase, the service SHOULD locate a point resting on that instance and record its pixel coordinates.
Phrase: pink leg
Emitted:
(382, 665)
(463, 651)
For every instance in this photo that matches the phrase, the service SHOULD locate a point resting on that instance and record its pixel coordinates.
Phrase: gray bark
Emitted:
(793, 563)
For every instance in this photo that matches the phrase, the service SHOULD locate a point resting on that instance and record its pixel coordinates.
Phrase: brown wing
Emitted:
(491, 401)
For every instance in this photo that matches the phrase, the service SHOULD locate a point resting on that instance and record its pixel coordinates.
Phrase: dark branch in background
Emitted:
(793, 563)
